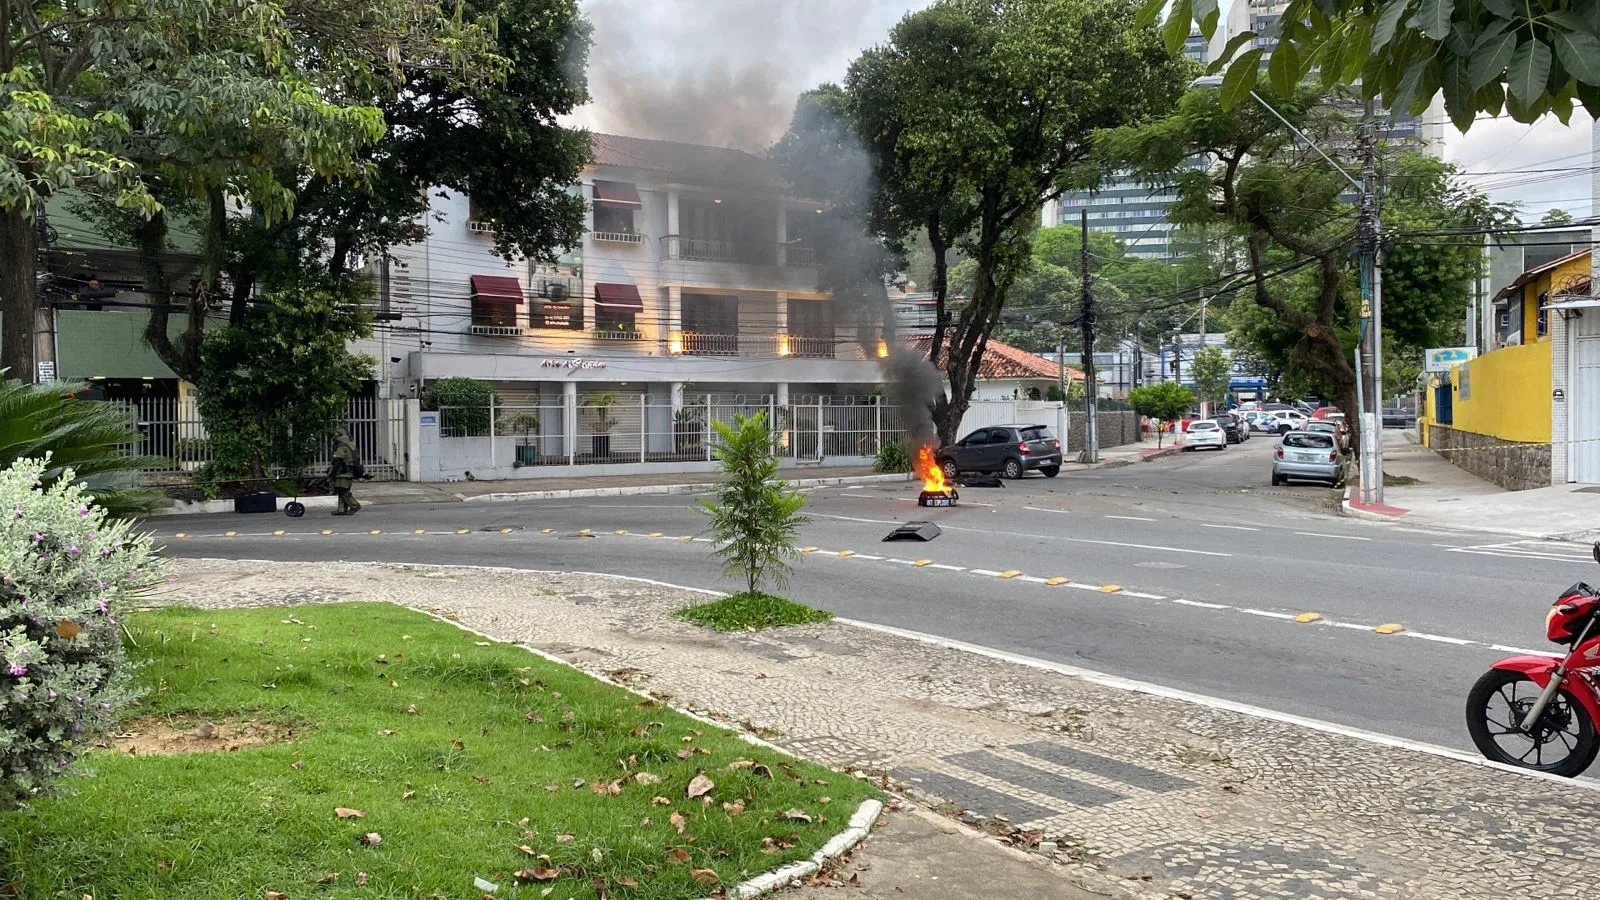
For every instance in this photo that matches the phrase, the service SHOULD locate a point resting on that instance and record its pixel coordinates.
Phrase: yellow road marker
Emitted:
(1390, 628)
(1010, 573)
(802, 549)
(585, 531)
(1306, 617)
(686, 537)
(278, 533)
(1110, 588)
(547, 531)
(461, 531)
(230, 534)
(505, 531)
(843, 553)
(327, 532)
(374, 531)
(622, 531)
(923, 562)
(654, 534)
(420, 531)
(181, 534)
(1057, 581)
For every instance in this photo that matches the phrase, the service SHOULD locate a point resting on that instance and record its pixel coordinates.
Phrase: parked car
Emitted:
(1289, 419)
(1205, 433)
(1307, 456)
(1335, 427)
(1262, 421)
(1324, 412)
(1010, 450)
(1398, 418)
(1233, 430)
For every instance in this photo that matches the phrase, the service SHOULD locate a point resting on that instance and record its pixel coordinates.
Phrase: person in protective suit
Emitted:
(344, 470)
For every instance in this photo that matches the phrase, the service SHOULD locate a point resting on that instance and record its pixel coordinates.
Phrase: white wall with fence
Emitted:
(623, 433)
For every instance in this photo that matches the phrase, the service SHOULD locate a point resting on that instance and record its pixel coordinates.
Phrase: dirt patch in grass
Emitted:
(152, 736)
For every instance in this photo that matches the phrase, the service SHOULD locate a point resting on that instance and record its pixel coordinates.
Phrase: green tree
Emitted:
(1212, 374)
(1164, 402)
(463, 404)
(1525, 58)
(274, 388)
(1556, 216)
(975, 113)
(147, 102)
(756, 518)
(89, 438)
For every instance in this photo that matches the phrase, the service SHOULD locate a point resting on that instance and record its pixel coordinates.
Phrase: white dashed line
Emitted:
(1057, 537)
(868, 556)
(948, 568)
(1265, 612)
(1144, 596)
(1502, 648)
(1131, 518)
(1341, 537)
(985, 572)
(1439, 638)
(1032, 579)
(1229, 527)
(1042, 509)
(1201, 604)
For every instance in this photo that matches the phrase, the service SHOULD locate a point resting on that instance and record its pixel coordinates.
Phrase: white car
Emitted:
(1290, 419)
(1205, 433)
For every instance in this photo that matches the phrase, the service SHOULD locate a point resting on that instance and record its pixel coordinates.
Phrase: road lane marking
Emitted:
(1033, 579)
(1143, 596)
(844, 553)
(1264, 612)
(1229, 527)
(947, 568)
(990, 572)
(868, 556)
(1042, 509)
(1131, 518)
(1307, 618)
(1392, 628)
(1010, 573)
(1057, 537)
(1201, 604)
(923, 562)
(1342, 537)
(1058, 581)
(1459, 642)
(1520, 651)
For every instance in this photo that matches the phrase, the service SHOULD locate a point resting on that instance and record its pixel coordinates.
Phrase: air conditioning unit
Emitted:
(481, 227)
(554, 290)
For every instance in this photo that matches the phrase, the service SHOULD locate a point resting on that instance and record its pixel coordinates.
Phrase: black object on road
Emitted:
(256, 502)
(914, 531)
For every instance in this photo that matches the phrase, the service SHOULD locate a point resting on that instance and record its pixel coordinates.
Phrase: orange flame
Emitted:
(928, 468)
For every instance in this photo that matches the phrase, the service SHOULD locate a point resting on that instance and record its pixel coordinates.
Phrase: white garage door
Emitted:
(1585, 398)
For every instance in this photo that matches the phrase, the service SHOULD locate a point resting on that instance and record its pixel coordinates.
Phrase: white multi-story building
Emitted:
(696, 287)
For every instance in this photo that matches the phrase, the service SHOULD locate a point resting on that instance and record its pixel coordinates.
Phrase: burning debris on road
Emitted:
(935, 490)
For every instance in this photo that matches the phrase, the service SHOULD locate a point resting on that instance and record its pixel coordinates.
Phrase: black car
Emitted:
(1010, 450)
(1233, 429)
(1398, 418)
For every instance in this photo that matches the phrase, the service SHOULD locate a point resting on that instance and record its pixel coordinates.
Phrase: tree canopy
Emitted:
(1526, 59)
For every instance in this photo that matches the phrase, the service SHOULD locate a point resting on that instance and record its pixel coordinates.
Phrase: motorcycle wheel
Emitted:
(1562, 743)
(294, 509)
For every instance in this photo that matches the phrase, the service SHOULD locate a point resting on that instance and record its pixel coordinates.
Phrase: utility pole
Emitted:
(1091, 437)
(1370, 390)
(44, 321)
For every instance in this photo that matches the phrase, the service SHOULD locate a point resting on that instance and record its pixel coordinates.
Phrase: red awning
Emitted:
(496, 289)
(618, 296)
(618, 192)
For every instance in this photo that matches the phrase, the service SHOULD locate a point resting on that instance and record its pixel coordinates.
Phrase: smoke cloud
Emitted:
(913, 384)
(720, 72)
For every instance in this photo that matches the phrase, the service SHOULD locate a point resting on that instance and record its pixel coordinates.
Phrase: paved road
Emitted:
(1212, 567)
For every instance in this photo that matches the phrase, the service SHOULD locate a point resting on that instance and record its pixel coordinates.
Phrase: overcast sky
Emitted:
(727, 72)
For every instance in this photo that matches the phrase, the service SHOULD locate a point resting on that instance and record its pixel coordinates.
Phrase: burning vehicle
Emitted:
(936, 491)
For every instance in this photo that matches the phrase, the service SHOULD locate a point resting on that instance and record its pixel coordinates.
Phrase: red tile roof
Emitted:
(694, 163)
(1005, 361)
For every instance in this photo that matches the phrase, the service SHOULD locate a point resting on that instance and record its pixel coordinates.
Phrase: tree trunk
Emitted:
(19, 294)
(181, 356)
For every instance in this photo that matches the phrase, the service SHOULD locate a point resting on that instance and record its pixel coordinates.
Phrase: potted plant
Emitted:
(523, 424)
(689, 428)
(604, 421)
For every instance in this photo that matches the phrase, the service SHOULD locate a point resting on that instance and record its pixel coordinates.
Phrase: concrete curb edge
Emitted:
(860, 826)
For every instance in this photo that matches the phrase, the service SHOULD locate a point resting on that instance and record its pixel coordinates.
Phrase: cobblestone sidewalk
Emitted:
(1134, 795)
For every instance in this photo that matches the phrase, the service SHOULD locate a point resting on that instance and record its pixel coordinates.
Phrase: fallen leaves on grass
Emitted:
(372, 839)
(660, 801)
(736, 808)
(699, 785)
(269, 895)
(647, 778)
(528, 850)
(796, 815)
(329, 878)
(563, 838)
(408, 795)
(361, 879)
(608, 789)
(345, 812)
(678, 821)
(538, 873)
(704, 876)
(679, 854)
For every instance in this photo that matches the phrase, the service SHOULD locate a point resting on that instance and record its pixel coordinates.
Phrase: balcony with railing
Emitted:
(693, 249)
(800, 346)
(617, 237)
(623, 335)
(692, 343)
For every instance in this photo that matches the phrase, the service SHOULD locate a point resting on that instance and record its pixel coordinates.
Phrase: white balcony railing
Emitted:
(805, 347)
(617, 237)
(676, 246)
(497, 330)
(617, 334)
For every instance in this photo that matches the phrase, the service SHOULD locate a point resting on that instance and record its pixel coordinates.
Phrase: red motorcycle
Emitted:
(1539, 712)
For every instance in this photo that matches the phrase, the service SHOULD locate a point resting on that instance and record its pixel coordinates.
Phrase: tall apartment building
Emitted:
(1125, 207)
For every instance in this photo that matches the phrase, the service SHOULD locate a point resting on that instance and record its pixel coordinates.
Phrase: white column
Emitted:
(677, 396)
(783, 234)
(674, 314)
(781, 404)
(781, 324)
(413, 420)
(569, 410)
(672, 212)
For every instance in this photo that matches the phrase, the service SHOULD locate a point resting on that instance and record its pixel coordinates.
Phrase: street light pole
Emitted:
(1369, 230)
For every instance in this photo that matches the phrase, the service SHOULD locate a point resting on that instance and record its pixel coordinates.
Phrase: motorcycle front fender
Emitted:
(1540, 668)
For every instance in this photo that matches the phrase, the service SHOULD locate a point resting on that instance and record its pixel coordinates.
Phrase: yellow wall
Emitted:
(1559, 278)
(1509, 394)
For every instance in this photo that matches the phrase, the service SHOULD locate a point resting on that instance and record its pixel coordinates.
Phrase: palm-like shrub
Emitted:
(87, 437)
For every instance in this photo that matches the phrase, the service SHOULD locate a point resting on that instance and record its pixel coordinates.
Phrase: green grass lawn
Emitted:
(749, 612)
(468, 759)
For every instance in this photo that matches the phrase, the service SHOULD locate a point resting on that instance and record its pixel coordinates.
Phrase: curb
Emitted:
(860, 825)
(189, 508)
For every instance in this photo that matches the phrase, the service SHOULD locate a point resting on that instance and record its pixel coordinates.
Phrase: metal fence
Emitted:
(171, 429)
(639, 428)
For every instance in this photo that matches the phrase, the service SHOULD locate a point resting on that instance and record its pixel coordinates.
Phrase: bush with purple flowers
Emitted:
(66, 571)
